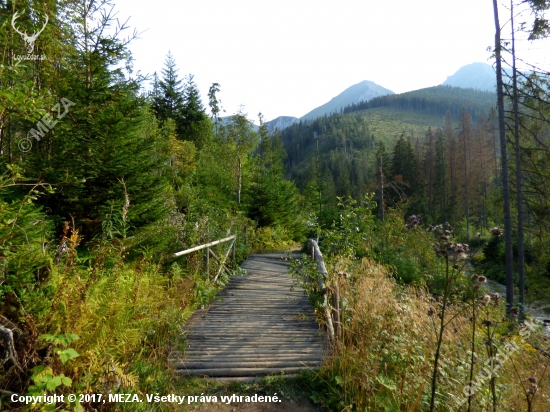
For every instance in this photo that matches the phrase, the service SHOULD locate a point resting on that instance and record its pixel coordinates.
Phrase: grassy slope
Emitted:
(388, 123)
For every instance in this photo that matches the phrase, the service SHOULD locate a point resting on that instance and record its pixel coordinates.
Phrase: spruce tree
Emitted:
(404, 166)
(440, 184)
(196, 126)
(168, 98)
(107, 145)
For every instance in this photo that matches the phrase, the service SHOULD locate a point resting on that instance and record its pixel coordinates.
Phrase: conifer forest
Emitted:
(431, 209)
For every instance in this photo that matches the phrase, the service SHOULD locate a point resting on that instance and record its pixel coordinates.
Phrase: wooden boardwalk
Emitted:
(261, 324)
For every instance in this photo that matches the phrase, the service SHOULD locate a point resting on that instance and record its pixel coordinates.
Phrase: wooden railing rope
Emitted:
(331, 313)
(209, 252)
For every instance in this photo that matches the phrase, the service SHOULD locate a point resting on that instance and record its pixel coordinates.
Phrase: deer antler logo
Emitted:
(28, 39)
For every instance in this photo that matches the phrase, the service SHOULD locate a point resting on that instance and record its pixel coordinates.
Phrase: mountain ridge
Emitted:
(362, 91)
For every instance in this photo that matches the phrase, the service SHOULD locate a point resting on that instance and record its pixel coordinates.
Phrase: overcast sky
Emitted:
(287, 57)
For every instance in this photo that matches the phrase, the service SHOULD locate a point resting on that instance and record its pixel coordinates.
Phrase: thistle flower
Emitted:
(412, 221)
(496, 231)
(485, 300)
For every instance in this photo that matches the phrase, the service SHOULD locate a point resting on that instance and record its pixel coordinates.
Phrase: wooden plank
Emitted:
(216, 356)
(254, 364)
(248, 379)
(239, 371)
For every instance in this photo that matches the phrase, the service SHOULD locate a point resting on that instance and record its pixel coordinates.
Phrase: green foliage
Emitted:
(349, 235)
(24, 230)
(44, 378)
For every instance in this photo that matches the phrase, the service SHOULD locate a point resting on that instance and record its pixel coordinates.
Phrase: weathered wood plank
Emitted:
(261, 324)
(239, 371)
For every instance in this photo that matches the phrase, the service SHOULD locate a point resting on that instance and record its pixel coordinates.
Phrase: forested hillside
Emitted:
(423, 155)
(434, 100)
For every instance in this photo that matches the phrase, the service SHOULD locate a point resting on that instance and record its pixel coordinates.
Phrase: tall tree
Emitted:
(215, 104)
(519, 183)
(504, 164)
(242, 139)
(429, 170)
(168, 99)
(107, 128)
(404, 167)
(197, 126)
(440, 183)
(453, 165)
(464, 135)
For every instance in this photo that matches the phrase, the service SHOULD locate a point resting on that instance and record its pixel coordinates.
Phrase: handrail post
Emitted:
(209, 252)
(208, 263)
(336, 313)
(234, 262)
(318, 258)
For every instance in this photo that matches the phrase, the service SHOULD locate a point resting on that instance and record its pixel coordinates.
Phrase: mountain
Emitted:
(362, 91)
(225, 120)
(352, 138)
(479, 76)
(281, 123)
(434, 100)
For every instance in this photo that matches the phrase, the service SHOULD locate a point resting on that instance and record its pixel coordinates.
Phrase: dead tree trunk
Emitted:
(6, 335)
(504, 165)
(519, 197)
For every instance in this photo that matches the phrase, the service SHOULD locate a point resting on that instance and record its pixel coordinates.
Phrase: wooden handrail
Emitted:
(209, 252)
(316, 255)
(194, 249)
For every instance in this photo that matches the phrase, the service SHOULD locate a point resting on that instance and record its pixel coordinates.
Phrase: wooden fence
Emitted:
(209, 252)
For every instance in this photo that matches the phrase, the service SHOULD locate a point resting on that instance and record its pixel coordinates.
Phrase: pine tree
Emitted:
(429, 170)
(196, 125)
(452, 162)
(168, 99)
(465, 136)
(404, 167)
(440, 183)
(274, 201)
(107, 137)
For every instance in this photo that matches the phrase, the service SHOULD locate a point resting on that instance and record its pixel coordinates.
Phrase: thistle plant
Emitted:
(452, 253)
(475, 280)
(489, 328)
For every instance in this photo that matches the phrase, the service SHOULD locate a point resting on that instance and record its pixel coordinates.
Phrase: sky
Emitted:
(285, 58)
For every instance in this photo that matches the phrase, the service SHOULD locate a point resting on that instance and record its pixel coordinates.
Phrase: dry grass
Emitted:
(385, 361)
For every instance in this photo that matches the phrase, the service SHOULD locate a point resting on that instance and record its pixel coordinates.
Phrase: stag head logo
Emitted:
(28, 39)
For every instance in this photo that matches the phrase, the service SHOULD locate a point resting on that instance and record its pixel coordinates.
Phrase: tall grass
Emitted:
(386, 357)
